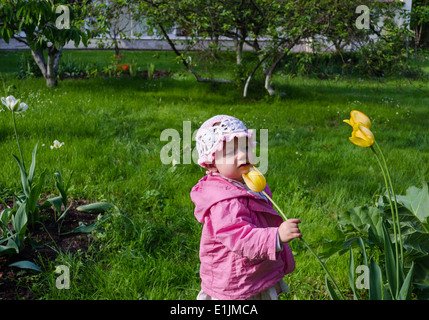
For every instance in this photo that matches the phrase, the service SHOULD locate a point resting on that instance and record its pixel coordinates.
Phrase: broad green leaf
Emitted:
(5, 216)
(56, 202)
(19, 220)
(405, 292)
(98, 207)
(25, 264)
(416, 244)
(421, 277)
(417, 201)
(367, 220)
(9, 248)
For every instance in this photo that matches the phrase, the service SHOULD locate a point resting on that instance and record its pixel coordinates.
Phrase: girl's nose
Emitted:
(242, 156)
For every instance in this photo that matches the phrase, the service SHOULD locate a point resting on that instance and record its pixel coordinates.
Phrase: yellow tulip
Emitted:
(255, 180)
(358, 117)
(362, 136)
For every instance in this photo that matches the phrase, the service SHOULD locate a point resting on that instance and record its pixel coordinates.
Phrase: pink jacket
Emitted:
(238, 242)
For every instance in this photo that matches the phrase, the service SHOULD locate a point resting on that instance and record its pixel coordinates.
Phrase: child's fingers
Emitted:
(293, 220)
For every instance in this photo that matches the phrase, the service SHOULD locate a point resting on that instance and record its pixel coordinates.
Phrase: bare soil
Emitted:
(13, 284)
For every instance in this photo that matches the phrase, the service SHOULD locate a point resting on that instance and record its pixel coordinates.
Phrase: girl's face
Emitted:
(234, 159)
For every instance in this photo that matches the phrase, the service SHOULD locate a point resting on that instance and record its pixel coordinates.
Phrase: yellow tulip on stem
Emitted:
(363, 137)
(395, 202)
(393, 219)
(256, 182)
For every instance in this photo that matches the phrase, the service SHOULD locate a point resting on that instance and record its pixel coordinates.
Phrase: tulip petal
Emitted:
(254, 180)
(349, 122)
(360, 117)
(360, 142)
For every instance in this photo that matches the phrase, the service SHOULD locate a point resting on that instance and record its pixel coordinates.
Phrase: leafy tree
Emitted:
(115, 22)
(46, 26)
(281, 23)
(420, 22)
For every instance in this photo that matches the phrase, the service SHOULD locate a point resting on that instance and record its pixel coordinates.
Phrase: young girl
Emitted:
(243, 251)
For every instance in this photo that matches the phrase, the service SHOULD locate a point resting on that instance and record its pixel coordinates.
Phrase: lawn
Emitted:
(111, 130)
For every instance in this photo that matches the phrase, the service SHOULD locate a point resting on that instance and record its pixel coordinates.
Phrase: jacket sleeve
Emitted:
(232, 226)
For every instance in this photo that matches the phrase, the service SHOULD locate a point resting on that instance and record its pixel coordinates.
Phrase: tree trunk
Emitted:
(53, 65)
(40, 61)
(50, 69)
(117, 52)
(268, 77)
(239, 49)
(261, 61)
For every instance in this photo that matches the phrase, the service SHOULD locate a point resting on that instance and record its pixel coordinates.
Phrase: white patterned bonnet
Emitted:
(212, 133)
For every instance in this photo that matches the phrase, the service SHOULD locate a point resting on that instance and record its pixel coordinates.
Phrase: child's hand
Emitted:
(289, 230)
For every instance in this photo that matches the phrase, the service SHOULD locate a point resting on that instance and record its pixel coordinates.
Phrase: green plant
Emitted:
(371, 224)
(150, 70)
(31, 191)
(27, 67)
(133, 68)
(71, 68)
(28, 201)
(12, 237)
(63, 188)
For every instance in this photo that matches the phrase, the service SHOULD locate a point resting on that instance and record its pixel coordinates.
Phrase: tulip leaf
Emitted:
(56, 202)
(97, 207)
(32, 166)
(375, 282)
(352, 274)
(405, 293)
(331, 290)
(35, 192)
(24, 179)
(394, 275)
(83, 228)
(19, 220)
(24, 264)
(10, 248)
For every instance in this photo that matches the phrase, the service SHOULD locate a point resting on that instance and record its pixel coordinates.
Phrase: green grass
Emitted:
(111, 129)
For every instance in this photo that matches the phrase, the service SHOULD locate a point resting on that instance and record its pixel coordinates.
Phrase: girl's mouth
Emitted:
(244, 165)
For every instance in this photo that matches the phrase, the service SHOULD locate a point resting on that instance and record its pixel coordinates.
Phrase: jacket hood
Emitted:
(211, 189)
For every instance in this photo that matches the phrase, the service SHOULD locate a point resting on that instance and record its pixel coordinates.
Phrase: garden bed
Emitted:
(143, 74)
(13, 282)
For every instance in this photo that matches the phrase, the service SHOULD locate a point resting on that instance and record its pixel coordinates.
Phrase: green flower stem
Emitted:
(393, 217)
(17, 140)
(395, 202)
(59, 162)
(308, 247)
